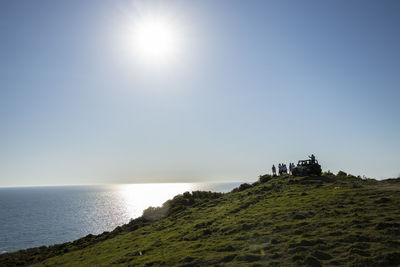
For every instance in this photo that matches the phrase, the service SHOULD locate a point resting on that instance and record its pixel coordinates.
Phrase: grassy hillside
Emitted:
(302, 221)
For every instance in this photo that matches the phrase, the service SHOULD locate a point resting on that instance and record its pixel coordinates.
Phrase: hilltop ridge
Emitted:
(323, 220)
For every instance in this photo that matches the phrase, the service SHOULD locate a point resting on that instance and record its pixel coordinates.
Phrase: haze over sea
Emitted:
(37, 216)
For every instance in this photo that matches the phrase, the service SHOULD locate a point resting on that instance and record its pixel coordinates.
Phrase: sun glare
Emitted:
(156, 40)
(138, 197)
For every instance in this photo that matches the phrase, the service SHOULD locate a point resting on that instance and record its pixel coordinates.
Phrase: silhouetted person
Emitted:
(284, 168)
(273, 170)
(312, 157)
(280, 169)
(290, 168)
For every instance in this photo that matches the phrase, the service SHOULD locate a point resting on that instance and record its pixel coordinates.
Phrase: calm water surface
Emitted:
(36, 216)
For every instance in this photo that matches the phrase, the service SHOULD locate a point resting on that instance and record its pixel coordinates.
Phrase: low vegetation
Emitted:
(277, 221)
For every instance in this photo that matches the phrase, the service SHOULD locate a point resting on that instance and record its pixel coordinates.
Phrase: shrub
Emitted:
(242, 187)
(155, 213)
(178, 203)
(265, 178)
(328, 173)
(341, 173)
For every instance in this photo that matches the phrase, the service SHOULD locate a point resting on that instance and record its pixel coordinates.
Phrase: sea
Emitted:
(43, 216)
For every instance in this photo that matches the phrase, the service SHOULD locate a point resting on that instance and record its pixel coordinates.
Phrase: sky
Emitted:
(249, 84)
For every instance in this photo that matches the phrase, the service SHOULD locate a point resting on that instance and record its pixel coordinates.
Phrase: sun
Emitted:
(156, 40)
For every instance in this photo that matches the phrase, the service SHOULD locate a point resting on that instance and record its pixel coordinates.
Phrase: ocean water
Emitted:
(37, 216)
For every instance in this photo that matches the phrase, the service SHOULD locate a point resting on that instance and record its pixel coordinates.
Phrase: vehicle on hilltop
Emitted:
(307, 167)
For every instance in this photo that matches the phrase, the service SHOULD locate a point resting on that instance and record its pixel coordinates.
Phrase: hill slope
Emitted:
(289, 221)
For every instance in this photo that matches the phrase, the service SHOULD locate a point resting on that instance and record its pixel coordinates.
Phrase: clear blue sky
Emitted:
(255, 83)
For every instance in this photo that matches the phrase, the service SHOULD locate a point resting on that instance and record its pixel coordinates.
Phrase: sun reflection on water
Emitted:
(65, 213)
(138, 197)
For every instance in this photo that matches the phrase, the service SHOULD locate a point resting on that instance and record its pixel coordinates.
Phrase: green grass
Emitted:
(302, 221)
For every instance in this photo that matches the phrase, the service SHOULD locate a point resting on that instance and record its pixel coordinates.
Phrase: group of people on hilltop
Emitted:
(283, 169)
